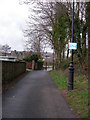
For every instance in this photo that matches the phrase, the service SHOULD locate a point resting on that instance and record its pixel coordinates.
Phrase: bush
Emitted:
(65, 63)
(32, 57)
(40, 65)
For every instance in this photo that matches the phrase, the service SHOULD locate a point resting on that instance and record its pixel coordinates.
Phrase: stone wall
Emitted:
(11, 70)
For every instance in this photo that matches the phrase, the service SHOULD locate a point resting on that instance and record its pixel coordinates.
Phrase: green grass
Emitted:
(59, 78)
(77, 98)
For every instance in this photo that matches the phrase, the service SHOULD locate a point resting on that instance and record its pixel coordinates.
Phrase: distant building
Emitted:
(48, 57)
(23, 54)
(20, 54)
(15, 54)
(7, 58)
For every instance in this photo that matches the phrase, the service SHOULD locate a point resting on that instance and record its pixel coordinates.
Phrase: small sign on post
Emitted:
(72, 46)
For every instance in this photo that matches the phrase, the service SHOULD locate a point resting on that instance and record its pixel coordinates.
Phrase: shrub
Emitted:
(65, 63)
(32, 57)
(40, 65)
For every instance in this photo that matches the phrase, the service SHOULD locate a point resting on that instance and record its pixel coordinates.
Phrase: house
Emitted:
(7, 58)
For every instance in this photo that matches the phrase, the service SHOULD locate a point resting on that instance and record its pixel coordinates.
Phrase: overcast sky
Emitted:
(13, 18)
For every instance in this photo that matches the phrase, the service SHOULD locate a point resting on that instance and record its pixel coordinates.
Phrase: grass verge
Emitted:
(77, 98)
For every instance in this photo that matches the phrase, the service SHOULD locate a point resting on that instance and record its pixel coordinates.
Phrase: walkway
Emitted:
(35, 96)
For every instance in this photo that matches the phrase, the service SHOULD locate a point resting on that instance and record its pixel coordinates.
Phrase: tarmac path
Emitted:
(35, 96)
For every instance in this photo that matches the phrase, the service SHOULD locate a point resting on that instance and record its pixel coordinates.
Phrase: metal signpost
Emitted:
(71, 68)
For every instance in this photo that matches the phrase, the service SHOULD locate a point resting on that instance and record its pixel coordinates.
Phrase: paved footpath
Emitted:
(35, 96)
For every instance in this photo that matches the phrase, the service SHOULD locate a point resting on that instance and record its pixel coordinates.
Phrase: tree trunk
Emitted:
(63, 53)
(89, 40)
(67, 53)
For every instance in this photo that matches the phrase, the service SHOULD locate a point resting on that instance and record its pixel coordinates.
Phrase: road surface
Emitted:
(35, 96)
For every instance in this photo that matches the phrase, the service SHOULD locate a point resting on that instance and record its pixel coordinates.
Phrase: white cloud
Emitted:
(12, 21)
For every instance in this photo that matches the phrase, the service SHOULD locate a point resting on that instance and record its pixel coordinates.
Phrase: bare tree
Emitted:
(52, 24)
(6, 49)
